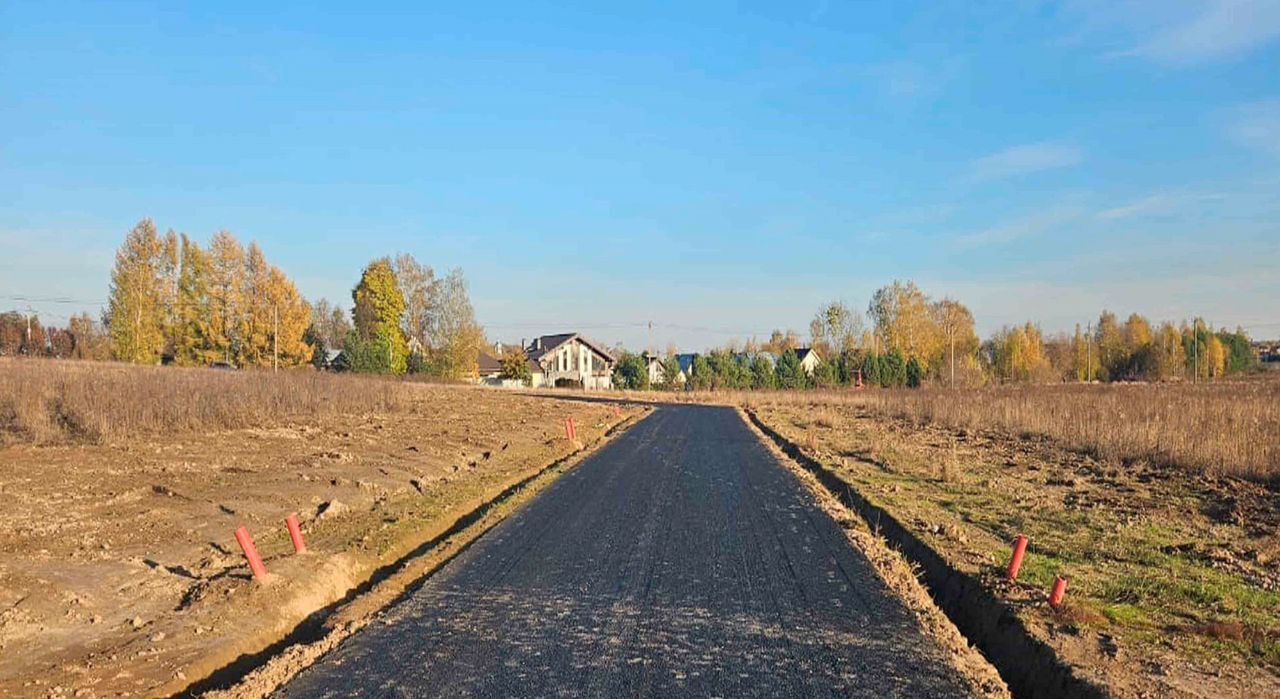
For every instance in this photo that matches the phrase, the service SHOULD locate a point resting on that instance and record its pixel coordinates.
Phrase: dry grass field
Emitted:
(51, 402)
(119, 574)
(1157, 503)
(1223, 428)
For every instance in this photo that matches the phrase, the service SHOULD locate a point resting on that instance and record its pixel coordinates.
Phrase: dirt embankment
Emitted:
(1174, 577)
(120, 575)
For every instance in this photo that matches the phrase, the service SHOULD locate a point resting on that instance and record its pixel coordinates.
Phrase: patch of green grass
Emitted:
(1124, 615)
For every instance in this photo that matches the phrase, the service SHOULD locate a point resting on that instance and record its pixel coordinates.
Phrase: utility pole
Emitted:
(953, 358)
(275, 335)
(1195, 350)
(1088, 353)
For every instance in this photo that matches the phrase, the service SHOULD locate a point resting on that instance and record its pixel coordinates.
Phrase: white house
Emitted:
(653, 363)
(809, 359)
(571, 360)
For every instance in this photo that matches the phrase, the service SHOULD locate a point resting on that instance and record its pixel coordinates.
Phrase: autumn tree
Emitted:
(1085, 356)
(1109, 340)
(514, 365)
(454, 335)
(35, 342)
(12, 332)
(954, 320)
(421, 291)
(135, 313)
(226, 288)
(1239, 351)
(378, 340)
(904, 321)
(168, 268)
(1018, 354)
(88, 339)
(835, 328)
(1215, 355)
(780, 342)
(291, 315)
(190, 330)
(62, 343)
(1171, 361)
(256, 317)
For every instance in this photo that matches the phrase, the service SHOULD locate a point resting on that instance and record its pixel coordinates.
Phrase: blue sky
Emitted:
(718, 168)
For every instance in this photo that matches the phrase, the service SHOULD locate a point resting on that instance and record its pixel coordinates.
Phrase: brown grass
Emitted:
(1222, 428)
(50, 401)
(1226, 428)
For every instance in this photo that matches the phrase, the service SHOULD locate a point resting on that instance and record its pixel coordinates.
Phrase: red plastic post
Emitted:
(295, 534)
(573, 428)
(568, 431)
(1019, 551)
(1059, 591)
(251, 553)
(617, 412)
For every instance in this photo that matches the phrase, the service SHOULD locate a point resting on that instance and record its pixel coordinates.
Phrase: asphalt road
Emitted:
(679, 560)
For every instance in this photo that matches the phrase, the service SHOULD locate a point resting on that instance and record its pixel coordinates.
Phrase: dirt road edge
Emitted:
(1028, 666)
(260, 674)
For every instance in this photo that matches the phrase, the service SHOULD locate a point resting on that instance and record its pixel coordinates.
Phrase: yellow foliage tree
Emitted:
(904, 321)
(135, 311)
(226, 296)
(1019, 354)
(955, 323)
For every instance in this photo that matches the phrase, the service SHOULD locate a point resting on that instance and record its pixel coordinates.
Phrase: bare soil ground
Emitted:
(1174, 576)
(119, 572)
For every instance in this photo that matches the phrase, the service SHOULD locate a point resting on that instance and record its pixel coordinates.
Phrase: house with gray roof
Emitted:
(571, 360)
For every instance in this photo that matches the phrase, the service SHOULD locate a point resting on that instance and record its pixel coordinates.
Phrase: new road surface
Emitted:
(680, 560)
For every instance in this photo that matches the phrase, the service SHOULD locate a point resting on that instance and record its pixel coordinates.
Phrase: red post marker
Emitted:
(568, 431)
(1015, 563)
(295, 533)
(1059, 591)
(573, 429)
(251, 553)
(617, 412)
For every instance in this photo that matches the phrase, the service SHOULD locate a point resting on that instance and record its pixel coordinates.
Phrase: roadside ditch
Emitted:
(1029, 666)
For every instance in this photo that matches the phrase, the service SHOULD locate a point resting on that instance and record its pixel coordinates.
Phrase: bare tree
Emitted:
(956, 323)
(421, 291)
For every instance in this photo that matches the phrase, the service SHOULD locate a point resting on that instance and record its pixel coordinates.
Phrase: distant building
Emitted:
(653, 364)
(573, 361)
(686, 365)
(489, 366)
(333, 360)
(809, 359)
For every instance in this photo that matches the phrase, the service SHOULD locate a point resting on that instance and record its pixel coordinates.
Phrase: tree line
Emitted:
(907, 338)
(172, 300)
(404, 319)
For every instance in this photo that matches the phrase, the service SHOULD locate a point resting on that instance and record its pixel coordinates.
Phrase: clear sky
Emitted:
(718, 168)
